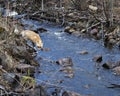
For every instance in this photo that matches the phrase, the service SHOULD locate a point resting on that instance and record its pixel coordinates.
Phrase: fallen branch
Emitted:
(83, 30)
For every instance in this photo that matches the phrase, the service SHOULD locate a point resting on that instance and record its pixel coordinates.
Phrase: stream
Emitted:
(89, 77)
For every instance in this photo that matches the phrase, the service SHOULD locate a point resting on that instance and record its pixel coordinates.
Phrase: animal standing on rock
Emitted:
(34, 37)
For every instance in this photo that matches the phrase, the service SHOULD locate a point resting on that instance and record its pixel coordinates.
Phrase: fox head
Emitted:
(39, 44)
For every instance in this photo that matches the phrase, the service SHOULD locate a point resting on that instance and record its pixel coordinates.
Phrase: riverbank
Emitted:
(17, 63)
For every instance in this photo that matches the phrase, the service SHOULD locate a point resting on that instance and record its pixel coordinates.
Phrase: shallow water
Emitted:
(89, 77)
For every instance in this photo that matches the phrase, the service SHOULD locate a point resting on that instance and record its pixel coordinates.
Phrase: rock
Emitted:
(117, 70)
(69, 30)
(114, 86)
(65, 61)
(94, 31)
(107, 43)
(98, 36)
(93, 8)
(68, 93)
(67, 70)
(83, 31)
(66, 66)
(98, 58)
(117, 64)
(83, 52)
(76, 33)
(108, 65)
(69, 75)
(112, 41)
(72, 30)
(110, 37)
(70, 14)
(87, 86)
(24, 68)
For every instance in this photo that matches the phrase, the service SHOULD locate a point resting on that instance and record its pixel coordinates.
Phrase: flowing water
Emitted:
(89, 77)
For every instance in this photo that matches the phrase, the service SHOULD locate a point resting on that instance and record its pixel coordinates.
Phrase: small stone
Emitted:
(98, 58)
(69, 30)
(87, 86)
(98, 37)
(108, 65)
(112, 41)
(69, 75)
(93, 8)
(83, 30)
(110, 37)
(117, 64)
(94, 31)
(83, 52)
(71, 14)
(76, 33)
(117, 70)
(67, 70)
(65, 61)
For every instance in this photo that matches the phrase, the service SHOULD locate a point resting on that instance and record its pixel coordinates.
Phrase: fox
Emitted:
(33, 37)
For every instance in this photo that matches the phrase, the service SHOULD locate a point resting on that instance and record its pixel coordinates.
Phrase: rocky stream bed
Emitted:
(69, 65)
(76, 64)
